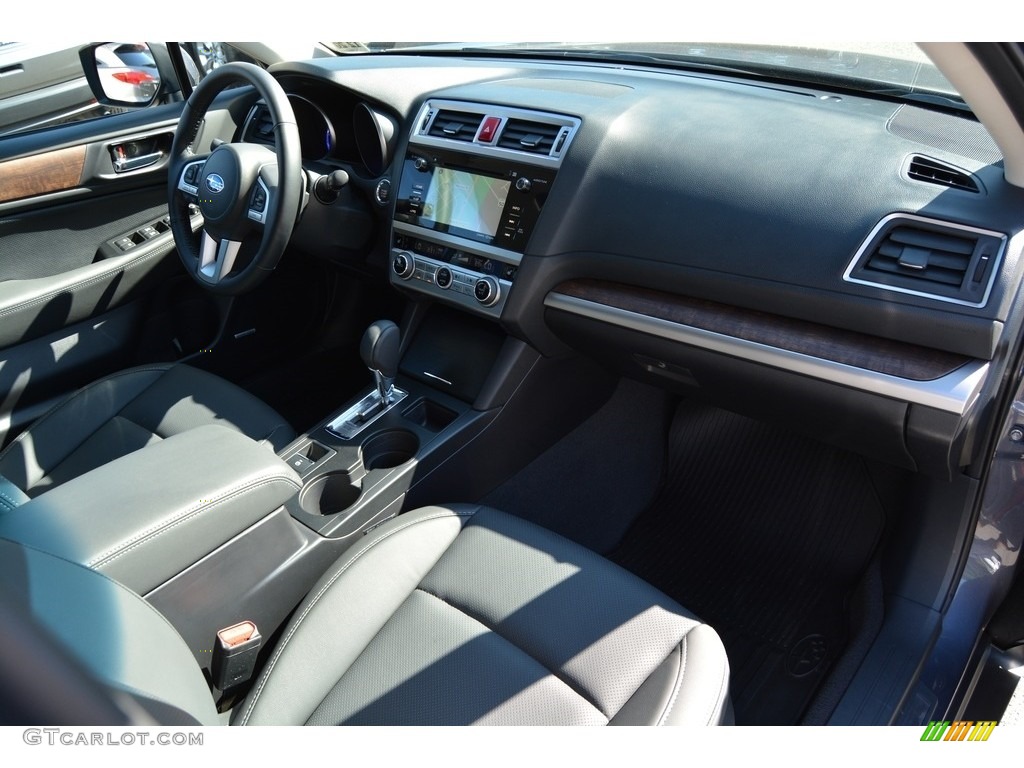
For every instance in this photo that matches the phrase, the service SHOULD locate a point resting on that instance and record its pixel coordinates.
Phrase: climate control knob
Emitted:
(443, 278)
(487, 291)
(403, 265)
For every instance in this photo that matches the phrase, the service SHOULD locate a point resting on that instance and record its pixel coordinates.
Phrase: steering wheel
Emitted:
(248, 194)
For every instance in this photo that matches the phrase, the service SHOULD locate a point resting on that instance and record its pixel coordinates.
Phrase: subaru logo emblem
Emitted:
(215, 183)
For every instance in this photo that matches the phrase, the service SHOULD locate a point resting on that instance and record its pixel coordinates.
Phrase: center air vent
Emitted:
(924, 257)
(495, 131)
(455, 126)
(529, 136)
(926, 169)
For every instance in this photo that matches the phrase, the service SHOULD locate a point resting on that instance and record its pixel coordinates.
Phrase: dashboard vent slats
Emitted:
(923, 255)
(932, 171)
(455, 126)
(495, 130)
(529, 136)
(930, 258)
(260, 127)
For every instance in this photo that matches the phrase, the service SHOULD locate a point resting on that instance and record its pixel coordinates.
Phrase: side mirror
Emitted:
(122, 74)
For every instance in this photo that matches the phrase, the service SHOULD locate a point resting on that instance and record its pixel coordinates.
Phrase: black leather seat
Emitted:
(123, 413)
(444, 615)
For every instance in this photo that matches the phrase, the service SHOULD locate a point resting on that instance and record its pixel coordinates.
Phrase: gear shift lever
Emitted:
(379, 350)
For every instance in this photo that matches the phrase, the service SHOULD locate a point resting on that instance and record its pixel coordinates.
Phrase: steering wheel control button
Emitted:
(259, 200)
(487, 291)
(443, 278)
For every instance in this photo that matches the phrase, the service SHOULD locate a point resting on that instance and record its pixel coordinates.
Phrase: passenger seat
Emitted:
(451, 615)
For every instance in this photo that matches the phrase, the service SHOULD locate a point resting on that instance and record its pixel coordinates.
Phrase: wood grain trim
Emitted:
(40, 174)
(872, 353)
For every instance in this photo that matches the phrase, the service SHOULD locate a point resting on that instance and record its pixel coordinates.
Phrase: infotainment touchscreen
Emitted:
(465, 201)
(491, 201)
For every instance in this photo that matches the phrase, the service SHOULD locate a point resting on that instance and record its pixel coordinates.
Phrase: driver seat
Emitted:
(122, 413)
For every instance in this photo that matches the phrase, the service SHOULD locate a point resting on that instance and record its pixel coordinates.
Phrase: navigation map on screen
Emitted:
(466, 201)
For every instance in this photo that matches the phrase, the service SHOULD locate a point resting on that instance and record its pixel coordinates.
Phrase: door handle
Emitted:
(124, 164)
(141, 152)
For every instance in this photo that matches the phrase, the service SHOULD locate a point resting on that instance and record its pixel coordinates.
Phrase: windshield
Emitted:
(898, 69)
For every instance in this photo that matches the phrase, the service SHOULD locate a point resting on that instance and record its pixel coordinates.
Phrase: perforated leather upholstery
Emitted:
(466, 615)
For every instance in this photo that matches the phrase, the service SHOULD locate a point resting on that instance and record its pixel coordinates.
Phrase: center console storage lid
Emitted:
(147, 516)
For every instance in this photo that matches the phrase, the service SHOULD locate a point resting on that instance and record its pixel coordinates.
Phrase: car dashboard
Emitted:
(841, 264)
(753, 341)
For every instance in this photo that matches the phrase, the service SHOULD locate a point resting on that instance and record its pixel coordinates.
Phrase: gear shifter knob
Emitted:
(379, 350)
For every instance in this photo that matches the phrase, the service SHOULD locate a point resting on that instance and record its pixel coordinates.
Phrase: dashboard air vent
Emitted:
(260, 127)
(920, 256)
(932, 171)
(456, 126)
(529, 136)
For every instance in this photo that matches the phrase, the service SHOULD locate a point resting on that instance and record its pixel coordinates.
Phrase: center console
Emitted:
(474, 181)
(456, 405)
(472, 186)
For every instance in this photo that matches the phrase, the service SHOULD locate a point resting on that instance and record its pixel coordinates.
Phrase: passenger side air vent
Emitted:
(924, 257)
(260, 126)
(455, 126)
(529, 136)
(926, 169)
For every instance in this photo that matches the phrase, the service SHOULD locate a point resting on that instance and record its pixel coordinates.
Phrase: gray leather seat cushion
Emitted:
(120, 639)
(128, 411)
(466, 615)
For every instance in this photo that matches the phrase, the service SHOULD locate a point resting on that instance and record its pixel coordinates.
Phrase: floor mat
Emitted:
(585, 486)
(313, 386)
(763, 534)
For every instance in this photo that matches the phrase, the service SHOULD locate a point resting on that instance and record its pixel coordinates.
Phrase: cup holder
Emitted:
(389, 449)
(330, 494)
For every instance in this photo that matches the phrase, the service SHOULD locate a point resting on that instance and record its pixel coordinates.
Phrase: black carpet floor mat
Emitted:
(311, 387)
(764, 534)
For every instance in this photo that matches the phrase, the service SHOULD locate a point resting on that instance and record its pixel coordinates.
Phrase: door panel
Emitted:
(34, 376)
(77, 300)
(73, 292)
(38, 174)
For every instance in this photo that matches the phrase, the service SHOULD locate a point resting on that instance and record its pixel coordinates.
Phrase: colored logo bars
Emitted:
(961, 730)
